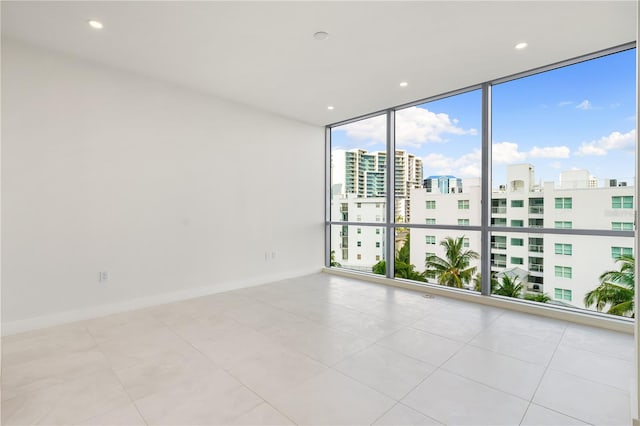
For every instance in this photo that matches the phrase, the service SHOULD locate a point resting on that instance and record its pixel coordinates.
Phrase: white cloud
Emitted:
(507, 153)
(416, 126)
(550, 152)
(564, 103)
(467, 166)
(584, 105)
(373, 129)
(613, 141)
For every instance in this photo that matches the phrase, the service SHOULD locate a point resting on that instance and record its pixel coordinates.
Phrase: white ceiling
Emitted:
(264, 54)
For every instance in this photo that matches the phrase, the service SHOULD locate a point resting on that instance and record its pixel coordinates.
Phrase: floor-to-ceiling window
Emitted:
(438, 218)
(551, 151)
(563, 144)
(358, 191)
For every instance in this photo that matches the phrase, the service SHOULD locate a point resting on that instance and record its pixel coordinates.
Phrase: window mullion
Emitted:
(485, 197)
(391, 185)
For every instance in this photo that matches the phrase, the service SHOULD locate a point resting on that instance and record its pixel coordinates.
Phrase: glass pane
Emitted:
(563, 146)
(439, 256)
(438, 161)
(358, 248)
(358, 171)
(564, 269)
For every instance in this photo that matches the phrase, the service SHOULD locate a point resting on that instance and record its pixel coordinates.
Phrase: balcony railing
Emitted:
(536, 209)
(499, 210)
(536, 248)
(499, 246)
(534, 267)
(499, 264)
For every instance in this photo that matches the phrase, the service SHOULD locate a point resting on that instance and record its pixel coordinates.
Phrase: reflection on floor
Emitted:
(320, 349)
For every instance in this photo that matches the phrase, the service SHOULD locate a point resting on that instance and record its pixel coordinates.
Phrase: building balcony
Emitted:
(536, 210)
(536, 248)
(534, 267)
(499, 210)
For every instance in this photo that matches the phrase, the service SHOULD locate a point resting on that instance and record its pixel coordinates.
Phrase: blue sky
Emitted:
(580, 116)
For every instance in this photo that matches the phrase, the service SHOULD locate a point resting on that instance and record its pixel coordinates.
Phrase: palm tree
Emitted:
(454, 270)
(477, 282)
(402, 265)
(616, 289)
(509, 287)
(539, 297)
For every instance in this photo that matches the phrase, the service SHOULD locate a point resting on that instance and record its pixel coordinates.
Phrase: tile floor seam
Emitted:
(366, 385)
(446, 370)
(270, 405)
(426, 415)
(316, 323)
(323, 362)
(113, 371)
(353, 334)
(379, 391)
(495, 351)
(385, 413)
(598, 353)
(242, 383)
(262, 401)
(418, 384)
(439, 367)
(268, 400)
(559, 412)
(568, 373)
(544, 373)
(414, 388)
(413, 357)
(460, 342)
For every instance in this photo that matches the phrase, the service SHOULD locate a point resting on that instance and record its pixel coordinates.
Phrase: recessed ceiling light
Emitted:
(330, 107)
(95, 24)
(404, 84)
(521, 46)
(321, 35)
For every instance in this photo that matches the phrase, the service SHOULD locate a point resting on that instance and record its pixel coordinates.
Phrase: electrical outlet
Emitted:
(103, 276)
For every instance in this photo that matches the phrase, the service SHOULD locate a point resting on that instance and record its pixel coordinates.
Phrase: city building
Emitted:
(362, 174)
(565, 267)
(358, 247)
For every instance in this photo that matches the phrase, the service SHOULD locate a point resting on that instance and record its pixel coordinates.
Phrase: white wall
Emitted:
(173, 192)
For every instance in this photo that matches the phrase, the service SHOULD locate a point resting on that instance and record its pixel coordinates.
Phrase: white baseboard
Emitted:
(66, 317)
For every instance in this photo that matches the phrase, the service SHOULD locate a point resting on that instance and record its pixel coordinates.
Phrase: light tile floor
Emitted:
(323, 350)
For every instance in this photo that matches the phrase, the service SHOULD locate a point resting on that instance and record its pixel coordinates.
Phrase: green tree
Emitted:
(333, 261)
(454, 269)
(509, 287)
(477, 282)
(539, 297)
(402, 266)
(380, 268)
(616, 290)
